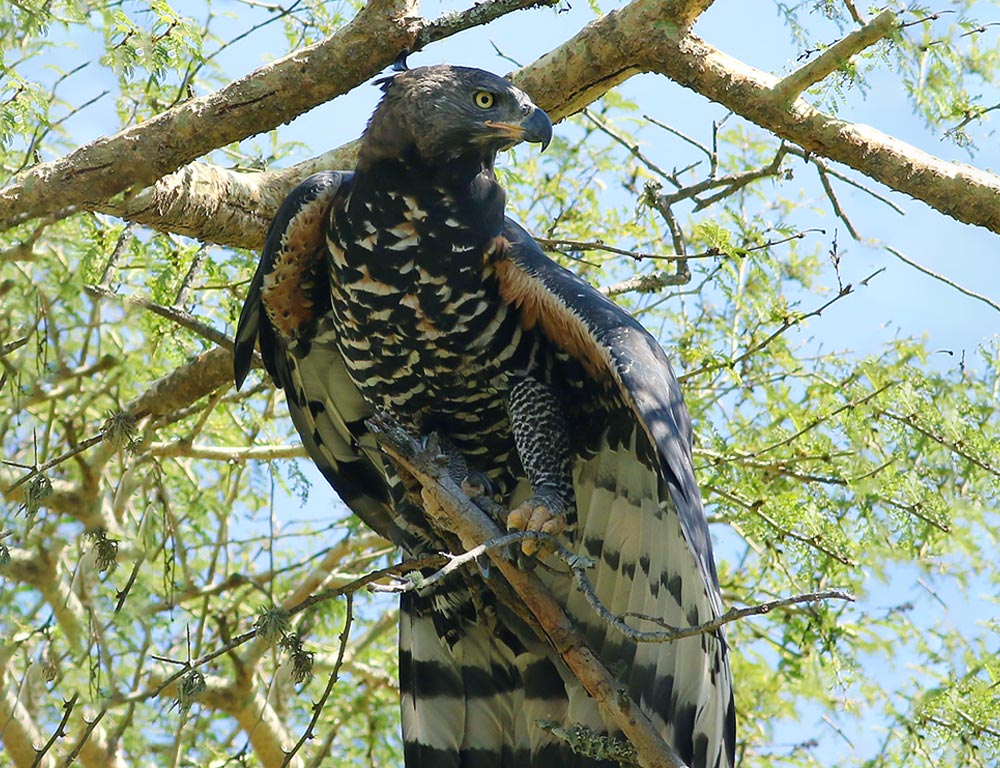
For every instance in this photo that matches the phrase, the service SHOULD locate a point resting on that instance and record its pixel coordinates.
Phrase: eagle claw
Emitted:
(542, 513)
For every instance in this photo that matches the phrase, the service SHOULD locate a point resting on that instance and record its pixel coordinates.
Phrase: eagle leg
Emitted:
(542, 441)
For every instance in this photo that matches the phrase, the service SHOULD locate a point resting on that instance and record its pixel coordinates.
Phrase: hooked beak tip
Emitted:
(538, 128)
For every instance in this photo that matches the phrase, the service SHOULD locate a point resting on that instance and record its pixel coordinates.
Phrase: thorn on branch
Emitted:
(59, 732)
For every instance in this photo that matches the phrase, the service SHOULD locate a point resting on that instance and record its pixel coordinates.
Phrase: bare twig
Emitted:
(317, 706)
(81, 742)
(579, 566)
(58, 733)
(477, 15)
(554, 243)
(941, 278)
(733, 614)
(631, 146)
(789, 322)
(175, 314)
(825, 417)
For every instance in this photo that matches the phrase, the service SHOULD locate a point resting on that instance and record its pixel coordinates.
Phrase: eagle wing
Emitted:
(287, 312)
(640, 516)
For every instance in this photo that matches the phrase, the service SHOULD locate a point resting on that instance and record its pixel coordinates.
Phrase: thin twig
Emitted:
(757, 508)
(825, 417)
(318, 706)
(77, 449)
(941, 278)
(681, 135)
(58, 733)
(434, 561)
(179, 316)
(810, 157)
(789, 322)
(631, 146)
(553, 243)
(832, 197)
(479, 14)
(733, 614)
(579, 566)
(74, 753)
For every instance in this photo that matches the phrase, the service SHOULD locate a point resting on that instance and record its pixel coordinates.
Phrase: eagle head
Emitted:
(444, 113)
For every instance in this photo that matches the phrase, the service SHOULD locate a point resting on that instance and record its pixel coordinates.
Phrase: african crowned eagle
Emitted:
(402, 288)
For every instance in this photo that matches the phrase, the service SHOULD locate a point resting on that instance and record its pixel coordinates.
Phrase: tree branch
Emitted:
(641, 37)
(274, 94)
(836, 56)
(267, 97)
(227, 453)
(19, 730)
(579, 567)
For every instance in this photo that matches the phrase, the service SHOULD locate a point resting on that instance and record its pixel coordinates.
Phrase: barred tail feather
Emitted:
(460, 690)
(627, 524)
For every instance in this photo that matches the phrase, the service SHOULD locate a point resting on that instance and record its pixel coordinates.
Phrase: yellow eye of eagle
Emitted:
(483, 99)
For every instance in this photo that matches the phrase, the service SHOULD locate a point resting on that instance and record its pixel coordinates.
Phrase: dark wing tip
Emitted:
(252, 325)
(243, 347)
(248, 327)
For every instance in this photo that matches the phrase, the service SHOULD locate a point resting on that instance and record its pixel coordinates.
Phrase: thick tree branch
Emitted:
(19, 730)
(643, 37)
(183, 386)
(240, 700)
(233, 208)
(264, 99)
(268, 97)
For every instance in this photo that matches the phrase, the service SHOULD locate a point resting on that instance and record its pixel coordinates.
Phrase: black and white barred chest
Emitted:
(420, 322)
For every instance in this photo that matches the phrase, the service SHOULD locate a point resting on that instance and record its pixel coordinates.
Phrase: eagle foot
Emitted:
(542, 513)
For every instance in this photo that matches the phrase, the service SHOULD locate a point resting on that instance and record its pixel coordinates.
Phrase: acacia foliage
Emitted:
(155, 552)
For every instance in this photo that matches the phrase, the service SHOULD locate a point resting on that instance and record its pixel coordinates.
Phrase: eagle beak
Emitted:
(535, 128)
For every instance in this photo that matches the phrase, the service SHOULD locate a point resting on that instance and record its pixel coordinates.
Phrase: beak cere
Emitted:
(535, 128)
